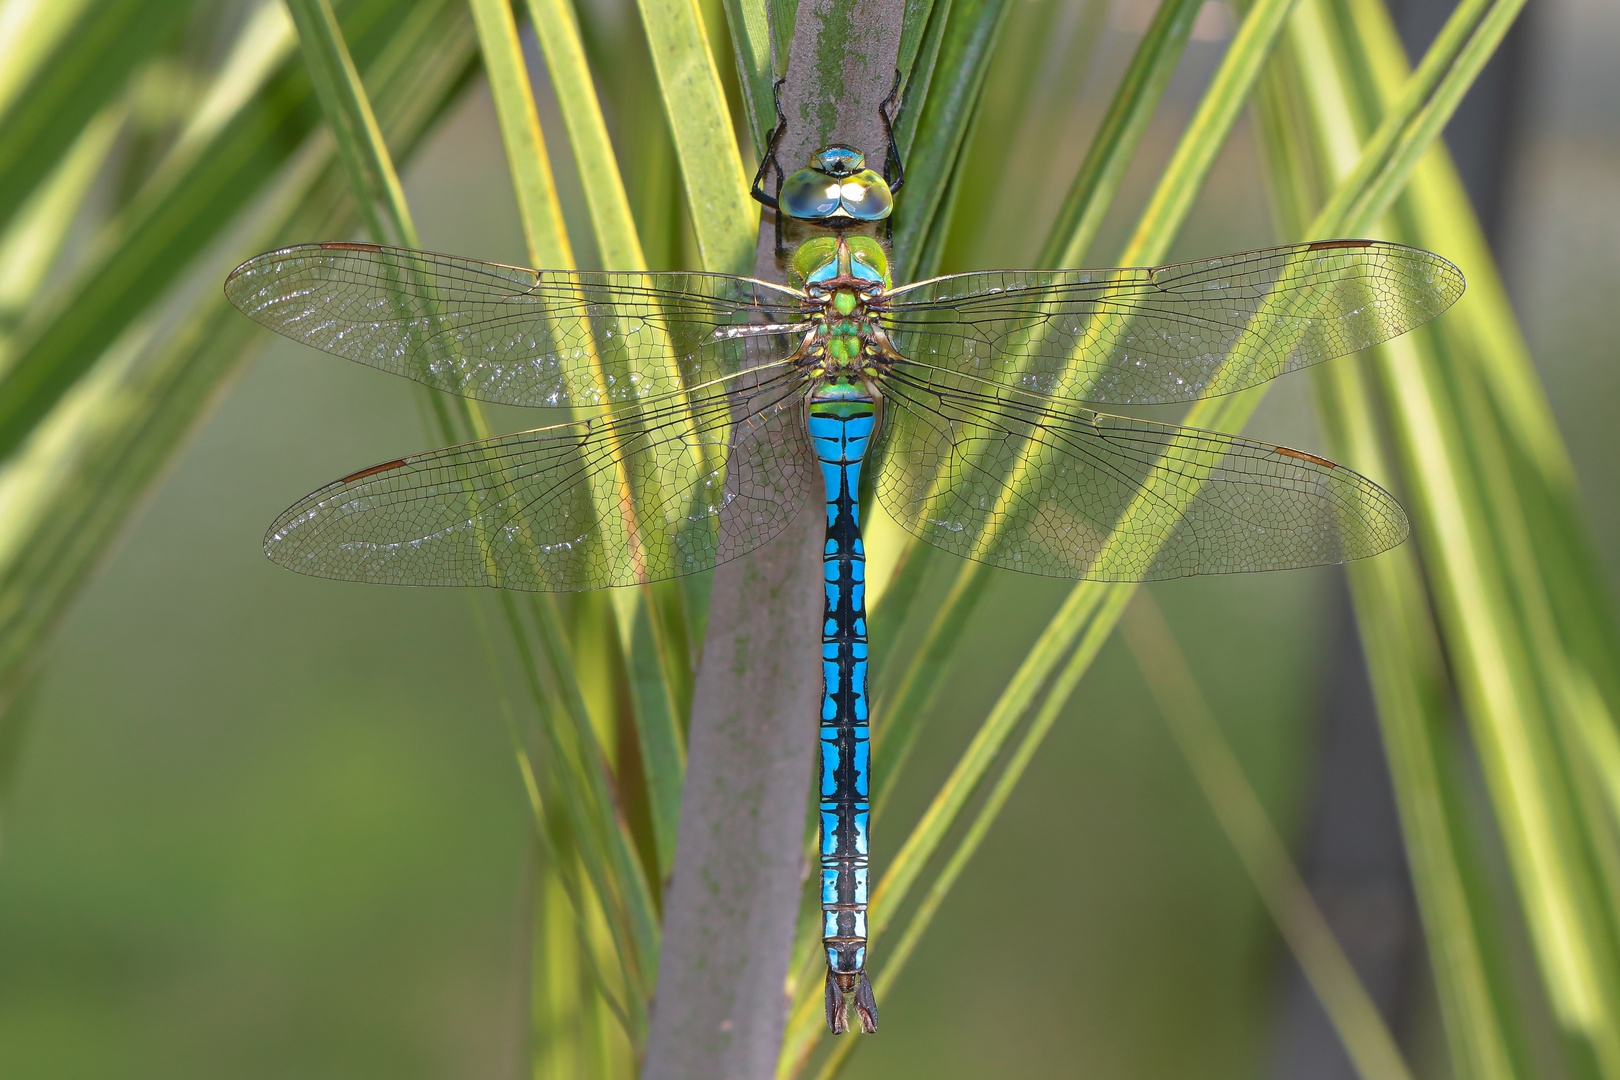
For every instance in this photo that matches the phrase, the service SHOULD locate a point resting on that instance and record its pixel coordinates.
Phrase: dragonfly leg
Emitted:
(894, 170)
(768, 162)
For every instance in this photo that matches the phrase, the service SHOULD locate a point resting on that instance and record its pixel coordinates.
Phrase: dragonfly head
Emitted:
(837, 189)
(837, 159)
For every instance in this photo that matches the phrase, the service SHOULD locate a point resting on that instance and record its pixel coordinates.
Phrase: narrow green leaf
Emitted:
(924, 38)
(348, 110)
(33, 32)
(914, 25)
(912, 698)
(544, 233)
(563, 865)
(1491, 334)
(891, 605)
(547, 240)
(1497, 683)
(585, 809)
(615, 874)
(1469, 38)
(1121, 131)
(649, 620)
(749, 23)
(659, 707)
(1042, 59)
(1409, 685)
(1405, 662)
(87, 69)
(265, 42)
(1195, 154)
(31, 246)
(611, 221)
(724, 217)
(967, 42)
(782, 16)
(1497, 620)
(67, 495)
(1354, 1016)
(142, 252)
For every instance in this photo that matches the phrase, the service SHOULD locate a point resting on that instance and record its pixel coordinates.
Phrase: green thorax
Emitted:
(844, 274)
(818, 260)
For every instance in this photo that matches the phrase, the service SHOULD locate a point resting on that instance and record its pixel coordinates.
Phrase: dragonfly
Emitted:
(710, 409)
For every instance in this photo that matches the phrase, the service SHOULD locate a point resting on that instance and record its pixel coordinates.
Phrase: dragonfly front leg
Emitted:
(841, 430)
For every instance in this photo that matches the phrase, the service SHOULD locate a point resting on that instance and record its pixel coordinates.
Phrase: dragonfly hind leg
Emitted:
(850, 988)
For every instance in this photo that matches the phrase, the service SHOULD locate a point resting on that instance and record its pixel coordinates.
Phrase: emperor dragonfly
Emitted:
(718, 400)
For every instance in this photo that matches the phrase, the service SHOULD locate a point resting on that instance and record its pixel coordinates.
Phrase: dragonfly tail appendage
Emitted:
(841, 429)
(839, 999)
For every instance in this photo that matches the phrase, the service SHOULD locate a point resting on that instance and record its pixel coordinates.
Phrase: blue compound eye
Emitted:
(866, 197)
(810, 194)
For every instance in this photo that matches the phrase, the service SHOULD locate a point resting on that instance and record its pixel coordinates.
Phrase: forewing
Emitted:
(641, 496)
(1170, 333)
(1022, 484)
(505, 334)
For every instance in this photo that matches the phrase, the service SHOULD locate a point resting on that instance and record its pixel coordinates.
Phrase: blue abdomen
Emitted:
(842, 425)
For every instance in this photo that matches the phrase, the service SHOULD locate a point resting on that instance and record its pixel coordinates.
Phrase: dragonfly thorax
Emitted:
(825, 265)
(843, 276)
(843, 342)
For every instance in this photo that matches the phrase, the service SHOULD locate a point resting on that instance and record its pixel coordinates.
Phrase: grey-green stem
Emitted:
(732, 902)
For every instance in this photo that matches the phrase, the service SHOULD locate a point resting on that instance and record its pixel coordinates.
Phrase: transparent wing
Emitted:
(1171, 333)
(641, 496)
(497, 333)
(1049, 489)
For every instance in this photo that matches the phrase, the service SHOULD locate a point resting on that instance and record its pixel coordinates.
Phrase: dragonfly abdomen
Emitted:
(842, 421)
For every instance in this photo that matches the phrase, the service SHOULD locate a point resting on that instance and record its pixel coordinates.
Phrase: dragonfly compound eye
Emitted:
(865, 197)
(837, 185)
(810, 195)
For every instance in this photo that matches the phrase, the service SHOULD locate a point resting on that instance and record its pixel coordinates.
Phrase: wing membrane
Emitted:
(1171, 333)
(506, 334)
(1017, 482)
(640, 496)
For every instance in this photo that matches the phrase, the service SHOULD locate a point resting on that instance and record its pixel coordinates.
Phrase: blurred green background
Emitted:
(267, 826)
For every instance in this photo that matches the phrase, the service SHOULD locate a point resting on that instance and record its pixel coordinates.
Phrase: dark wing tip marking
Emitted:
(373, 471)
(1324, 462)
